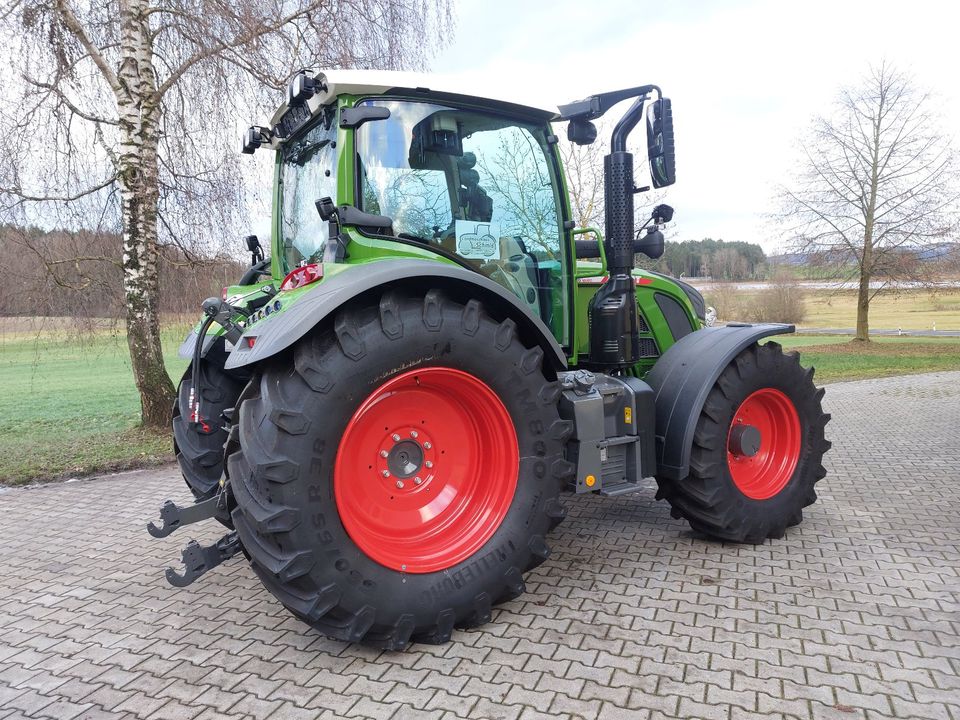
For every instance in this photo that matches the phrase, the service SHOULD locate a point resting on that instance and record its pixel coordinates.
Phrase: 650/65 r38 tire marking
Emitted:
(426, 469)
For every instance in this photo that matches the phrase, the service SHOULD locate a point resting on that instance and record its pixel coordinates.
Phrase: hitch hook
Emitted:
(198, 559)
(174, 516)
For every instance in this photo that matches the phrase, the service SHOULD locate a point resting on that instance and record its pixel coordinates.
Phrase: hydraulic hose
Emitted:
(195, 376)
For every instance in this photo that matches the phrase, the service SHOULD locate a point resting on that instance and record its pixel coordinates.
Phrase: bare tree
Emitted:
(120, 115)
(877, 182)
(516, 175)
(583, 167)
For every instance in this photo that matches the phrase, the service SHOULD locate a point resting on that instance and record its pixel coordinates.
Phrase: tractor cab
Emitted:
(476, 186)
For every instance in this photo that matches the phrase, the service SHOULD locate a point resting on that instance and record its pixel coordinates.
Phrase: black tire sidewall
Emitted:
(788, 378)
(361, 581)
(708, 497)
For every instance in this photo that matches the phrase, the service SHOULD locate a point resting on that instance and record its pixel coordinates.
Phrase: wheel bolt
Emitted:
(400, 484)
(427, 445)
(385, 473)
(396, 438)
(384, 453)
(414, 434)
(417, 480)
(429, 463)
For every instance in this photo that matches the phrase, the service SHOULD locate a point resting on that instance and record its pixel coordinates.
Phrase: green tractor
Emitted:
(385, 412)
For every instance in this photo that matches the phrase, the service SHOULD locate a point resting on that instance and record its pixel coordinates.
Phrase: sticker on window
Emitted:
(478, 240)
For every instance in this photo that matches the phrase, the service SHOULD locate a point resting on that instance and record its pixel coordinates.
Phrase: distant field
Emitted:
(71, 407)
(906, 309)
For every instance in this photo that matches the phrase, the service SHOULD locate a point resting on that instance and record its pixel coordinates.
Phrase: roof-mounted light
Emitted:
(302, 87)
(253, 138)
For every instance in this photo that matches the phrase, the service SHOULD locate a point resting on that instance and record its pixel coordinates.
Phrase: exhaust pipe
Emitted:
(614, 325)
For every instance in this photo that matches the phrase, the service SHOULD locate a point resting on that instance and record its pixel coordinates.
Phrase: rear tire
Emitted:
(752, 489)
(308, 505)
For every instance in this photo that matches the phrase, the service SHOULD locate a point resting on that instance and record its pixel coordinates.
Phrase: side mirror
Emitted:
(650, 244)
(660, 143)
(256, 249)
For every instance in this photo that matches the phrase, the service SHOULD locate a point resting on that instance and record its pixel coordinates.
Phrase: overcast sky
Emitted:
(745, 78)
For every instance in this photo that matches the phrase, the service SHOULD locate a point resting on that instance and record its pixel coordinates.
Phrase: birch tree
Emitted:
(124, 114)
(877, 181)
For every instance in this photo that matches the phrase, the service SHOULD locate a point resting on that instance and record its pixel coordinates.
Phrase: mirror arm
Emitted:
(596, 105)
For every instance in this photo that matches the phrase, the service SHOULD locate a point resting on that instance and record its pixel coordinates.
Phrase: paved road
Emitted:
(856, 614)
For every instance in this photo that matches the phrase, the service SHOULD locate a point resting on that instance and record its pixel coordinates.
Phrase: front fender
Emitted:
(683, 377)
(280, 331)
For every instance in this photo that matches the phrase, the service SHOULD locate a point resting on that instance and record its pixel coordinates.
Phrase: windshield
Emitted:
(474, 184)
(308, 171)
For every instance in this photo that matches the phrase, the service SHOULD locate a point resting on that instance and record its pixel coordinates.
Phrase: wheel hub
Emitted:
(744, 440)
(405, 459)
(764, 443)
(426, 469)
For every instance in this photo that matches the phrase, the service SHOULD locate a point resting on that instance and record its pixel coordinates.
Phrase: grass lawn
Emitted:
(70, 406)
(837, 358)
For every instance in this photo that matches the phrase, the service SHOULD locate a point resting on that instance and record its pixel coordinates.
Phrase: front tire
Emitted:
(757, 450)
(333, 442)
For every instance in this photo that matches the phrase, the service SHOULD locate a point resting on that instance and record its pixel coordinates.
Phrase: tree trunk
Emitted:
(869, 218)
(863, 297)
(139, 190)
(141, 290)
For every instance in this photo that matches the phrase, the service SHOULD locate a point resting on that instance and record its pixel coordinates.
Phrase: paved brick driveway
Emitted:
(854, 614)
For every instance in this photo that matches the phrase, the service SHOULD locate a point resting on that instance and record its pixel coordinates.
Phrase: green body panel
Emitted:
(582, 278)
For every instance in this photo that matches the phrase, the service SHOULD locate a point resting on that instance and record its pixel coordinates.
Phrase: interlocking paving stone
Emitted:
(854, 614)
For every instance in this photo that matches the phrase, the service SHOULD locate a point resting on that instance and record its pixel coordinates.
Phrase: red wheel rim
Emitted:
(426, 470)
(763, 464)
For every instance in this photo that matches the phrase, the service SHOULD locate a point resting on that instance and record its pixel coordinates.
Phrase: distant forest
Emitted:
(79, 274)
(717, 259)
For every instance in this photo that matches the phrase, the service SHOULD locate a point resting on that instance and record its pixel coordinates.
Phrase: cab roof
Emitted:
(433, 86)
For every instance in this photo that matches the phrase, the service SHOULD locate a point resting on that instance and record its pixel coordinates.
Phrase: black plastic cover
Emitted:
(675, 315)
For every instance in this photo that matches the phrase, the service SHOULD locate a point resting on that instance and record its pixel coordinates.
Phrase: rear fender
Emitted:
(187, 347)
(281, 330)
(682, 379)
